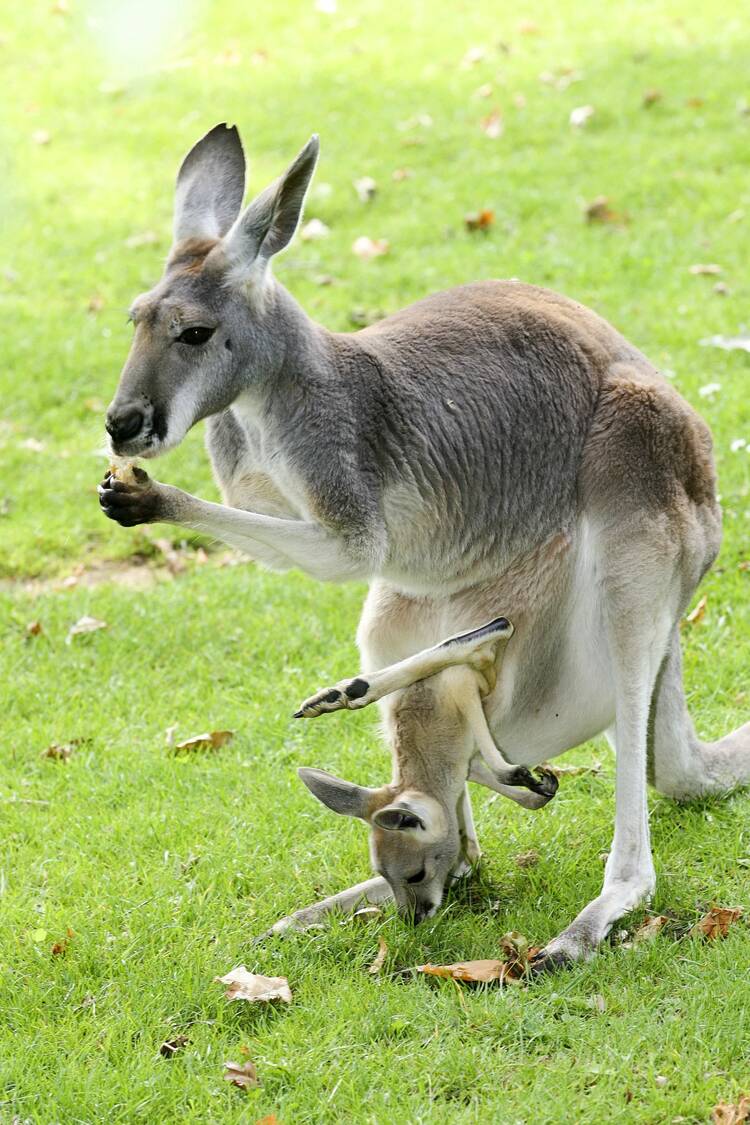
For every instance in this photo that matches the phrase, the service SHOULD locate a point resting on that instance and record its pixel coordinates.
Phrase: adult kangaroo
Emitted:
(492, 449)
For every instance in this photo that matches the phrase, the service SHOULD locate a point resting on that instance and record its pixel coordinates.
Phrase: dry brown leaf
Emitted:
(34, 629)
(484, 91)
(492, 125)
(61, 947)
(41, 137)
(473, 56)
(479, 220)
(401, 174)
(314, 230)
(212, 740)
(696, 615)
(367, 248)
(170, 1047)
(599, 211)
(146, 238)
(230, 56)
(58, 752)
(365, 188)
(380, 957)
(705, 268)
(517, 952)
(581, 115)
(734, 1113)
(243, 1075)
(84, 625)
(96, 303)
(269, 1119)
(694, 102)
(528, 27)
(651, 97)
(572, 771)
(472, 971)
(366, 914)
(649, 928)
(716, 923)
(242, 985)
(526, 859)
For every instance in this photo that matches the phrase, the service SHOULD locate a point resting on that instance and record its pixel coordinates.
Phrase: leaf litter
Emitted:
(715, 924)
(377, 964)
(211, 740)
(513, 967)
(244, 1075)
(243, 985)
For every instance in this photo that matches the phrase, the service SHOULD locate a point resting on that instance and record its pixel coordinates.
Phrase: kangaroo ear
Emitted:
(268, 224)
(210, 185)
(342, 797)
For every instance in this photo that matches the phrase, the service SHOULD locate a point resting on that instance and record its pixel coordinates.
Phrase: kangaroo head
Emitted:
(415, 842)
(210, 327)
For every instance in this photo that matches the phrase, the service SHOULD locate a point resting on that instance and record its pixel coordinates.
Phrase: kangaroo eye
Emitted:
(418, 877)
(195, 336)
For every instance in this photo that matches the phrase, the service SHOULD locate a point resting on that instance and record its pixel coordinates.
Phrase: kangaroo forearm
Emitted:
(280, 543)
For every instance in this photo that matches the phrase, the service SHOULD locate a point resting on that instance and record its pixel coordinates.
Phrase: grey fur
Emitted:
(492, 449)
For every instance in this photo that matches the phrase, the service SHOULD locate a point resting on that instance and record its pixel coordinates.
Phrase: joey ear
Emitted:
(396, 818)
(342, 797)
(210, 185)
(268, 224)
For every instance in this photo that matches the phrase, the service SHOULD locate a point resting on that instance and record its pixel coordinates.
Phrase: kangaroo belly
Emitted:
(555, 689)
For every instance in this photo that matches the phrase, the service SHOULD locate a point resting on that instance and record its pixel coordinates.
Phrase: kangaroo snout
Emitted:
(124, 423)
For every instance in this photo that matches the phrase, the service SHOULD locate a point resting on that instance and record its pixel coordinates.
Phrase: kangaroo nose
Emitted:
(125, 425)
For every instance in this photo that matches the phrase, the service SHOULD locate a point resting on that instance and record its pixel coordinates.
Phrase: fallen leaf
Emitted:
(380, 957)
(401, 174)
(170, 1047)
(739, 343)
(572, 771)
(473, 56)
(716, 923)
(709, 390)
(324, 279)
(581, 115)
(366, 914)
(34, 629)
(146, 238)
(721, 288)
(480, 972)
(270, 1119)
(212, 740)
(661, 1081)
(243, 1075)
(259, 57)
(41, 137)
(484, 91)
(492, 125)
(33, 445)
(649, 928)
(96, 303)
(599, 211)
(60, 8)
(696, 615)
(367, 248)
(526, 859)
(701, 268)
(242, 985)
(651, 97)
(365, 188)
(61, 947)
(230, 56)
(59, 752)
(517, 952)
(731, 1114)
(314, 230)
(694, 102)
(528, 27)
(84, 625)
(479, 220)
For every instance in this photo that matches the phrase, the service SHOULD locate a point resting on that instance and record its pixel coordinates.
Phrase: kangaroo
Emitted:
(492, 449)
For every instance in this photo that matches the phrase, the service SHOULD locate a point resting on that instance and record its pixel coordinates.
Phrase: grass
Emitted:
(166, 868)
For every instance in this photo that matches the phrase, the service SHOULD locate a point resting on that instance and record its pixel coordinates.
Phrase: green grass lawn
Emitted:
(165, 868)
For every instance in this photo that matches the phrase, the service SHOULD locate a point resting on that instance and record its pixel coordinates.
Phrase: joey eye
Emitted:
(195, 336)
(418, 877)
